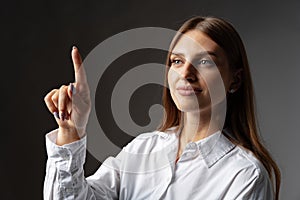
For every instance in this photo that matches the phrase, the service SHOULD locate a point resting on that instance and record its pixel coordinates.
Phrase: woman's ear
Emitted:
(236, 81)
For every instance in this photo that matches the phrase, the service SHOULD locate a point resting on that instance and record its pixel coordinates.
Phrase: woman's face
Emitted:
(196, 63)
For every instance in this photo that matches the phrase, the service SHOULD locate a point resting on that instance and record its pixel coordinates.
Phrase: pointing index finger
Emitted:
(80, 76)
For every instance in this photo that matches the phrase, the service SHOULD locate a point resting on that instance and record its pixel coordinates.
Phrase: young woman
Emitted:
(201, 150)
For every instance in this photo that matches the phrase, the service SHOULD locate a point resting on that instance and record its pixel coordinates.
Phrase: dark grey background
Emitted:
(36, 38)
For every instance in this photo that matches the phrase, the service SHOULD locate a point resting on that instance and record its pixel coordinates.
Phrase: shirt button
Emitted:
(65, 157)
(189, 154)
(68, 190)
(192, 145)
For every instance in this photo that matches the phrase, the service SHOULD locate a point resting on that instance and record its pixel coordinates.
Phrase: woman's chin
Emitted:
(191, 107)
(188, 108)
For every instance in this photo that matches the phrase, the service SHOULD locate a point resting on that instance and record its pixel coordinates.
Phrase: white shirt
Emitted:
(209, 169)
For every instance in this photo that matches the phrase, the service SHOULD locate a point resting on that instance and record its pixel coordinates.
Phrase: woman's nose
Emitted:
(189, 72)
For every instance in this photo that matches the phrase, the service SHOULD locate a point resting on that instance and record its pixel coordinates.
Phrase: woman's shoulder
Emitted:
(248, 157)
(244, 158)
(247, 174)
(151, 141)
(156, 134)
(245, 161)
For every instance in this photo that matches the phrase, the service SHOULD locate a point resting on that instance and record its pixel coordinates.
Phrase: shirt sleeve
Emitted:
(65, 175)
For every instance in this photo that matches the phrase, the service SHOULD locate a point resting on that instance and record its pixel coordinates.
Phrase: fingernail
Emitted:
(72, 88)
(56, 115)
(62, 116)
(74, 47)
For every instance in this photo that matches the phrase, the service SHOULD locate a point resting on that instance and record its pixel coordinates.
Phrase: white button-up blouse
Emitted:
(209, 169)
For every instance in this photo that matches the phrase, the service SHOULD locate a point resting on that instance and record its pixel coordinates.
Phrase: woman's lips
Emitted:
(188, 90)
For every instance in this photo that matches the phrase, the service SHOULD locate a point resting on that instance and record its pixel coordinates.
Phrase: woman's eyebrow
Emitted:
(200, 54)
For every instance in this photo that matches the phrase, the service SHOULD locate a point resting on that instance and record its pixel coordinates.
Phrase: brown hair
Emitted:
(240, 114)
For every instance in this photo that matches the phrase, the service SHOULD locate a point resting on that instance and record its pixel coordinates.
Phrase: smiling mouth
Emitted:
(188, 90)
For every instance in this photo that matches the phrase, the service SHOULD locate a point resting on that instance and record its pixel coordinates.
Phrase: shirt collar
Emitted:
(214, 147)
(211, 148)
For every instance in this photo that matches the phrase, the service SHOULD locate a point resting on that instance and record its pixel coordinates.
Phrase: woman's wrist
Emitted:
(67, 135)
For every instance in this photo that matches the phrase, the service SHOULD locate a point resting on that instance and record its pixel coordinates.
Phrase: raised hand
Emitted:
(71, 104)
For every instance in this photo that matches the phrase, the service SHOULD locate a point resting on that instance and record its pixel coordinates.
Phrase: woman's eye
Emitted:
(206, 62)
(176, 61)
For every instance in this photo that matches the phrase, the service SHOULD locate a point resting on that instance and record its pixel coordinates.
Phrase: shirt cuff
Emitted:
(65, 152)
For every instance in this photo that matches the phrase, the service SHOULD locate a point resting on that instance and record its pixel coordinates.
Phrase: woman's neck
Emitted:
(199, 125)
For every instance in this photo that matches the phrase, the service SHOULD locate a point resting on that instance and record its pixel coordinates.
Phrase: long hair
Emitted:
(240, 114)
